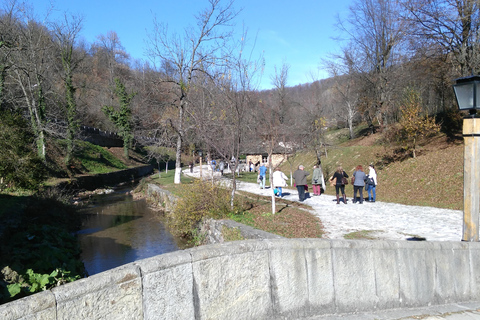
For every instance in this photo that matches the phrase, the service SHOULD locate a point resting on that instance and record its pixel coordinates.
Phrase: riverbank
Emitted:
(38, 233)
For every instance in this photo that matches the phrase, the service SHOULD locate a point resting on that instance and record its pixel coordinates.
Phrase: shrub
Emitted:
(20, 166)
(199, 200)
(39, 249)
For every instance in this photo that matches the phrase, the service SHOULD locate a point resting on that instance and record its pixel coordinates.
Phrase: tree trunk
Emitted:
(178, 155)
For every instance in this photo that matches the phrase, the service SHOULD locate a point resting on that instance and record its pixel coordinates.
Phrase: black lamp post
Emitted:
(467, 92)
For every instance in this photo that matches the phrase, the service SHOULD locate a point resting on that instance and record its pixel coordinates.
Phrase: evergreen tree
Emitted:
(122, 118)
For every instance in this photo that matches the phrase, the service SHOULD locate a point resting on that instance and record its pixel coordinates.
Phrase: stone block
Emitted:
(417, 268)
(114, 294)
(40, 306)
(354, 280)
(452, 274)
(231, 281)
(168, 286)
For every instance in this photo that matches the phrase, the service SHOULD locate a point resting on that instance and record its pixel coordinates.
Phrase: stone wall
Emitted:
(268, 279)
(160, 198)
(92, 182)
(212, 231)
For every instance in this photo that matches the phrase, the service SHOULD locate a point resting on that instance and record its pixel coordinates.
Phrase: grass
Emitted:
(96, 159)
(166, 180)
(360, 235)
(291, 220)
(231, 234)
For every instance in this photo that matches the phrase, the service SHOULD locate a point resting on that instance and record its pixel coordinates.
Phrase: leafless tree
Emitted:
(225, 110)
(110, 48)
(452, 25)
(32, 72)
(196, 52)
(376, 35)
(66, 34)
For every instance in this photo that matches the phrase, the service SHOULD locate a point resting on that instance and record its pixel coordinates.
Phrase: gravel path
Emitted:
(389, 221)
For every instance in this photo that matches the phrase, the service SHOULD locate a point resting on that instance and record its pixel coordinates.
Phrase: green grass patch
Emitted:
(231, 234)
(96, 159)
(166, 181)
(360, 235)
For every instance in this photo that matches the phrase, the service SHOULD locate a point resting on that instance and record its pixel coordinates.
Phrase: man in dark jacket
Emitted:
(300, 177)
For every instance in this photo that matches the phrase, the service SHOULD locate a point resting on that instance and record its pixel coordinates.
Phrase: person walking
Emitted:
(300, 177)
(262, 172)
(221, 167)
(279, 181)
(317, 181)
(359, 178)
(337, 178)
(371, 183)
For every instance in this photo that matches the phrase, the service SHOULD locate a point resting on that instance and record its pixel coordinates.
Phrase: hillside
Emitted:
(433, 178)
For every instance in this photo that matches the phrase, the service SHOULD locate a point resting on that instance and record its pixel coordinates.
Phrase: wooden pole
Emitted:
(471, 179)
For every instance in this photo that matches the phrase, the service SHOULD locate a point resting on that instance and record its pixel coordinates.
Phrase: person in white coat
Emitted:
(371, 183)
(279, 181)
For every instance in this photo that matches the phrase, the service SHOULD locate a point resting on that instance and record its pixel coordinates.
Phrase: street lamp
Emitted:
(467, 92)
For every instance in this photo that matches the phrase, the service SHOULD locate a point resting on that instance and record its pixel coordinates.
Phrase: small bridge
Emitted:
(268, 279)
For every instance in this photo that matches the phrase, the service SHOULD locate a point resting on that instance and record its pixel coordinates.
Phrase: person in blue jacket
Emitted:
(262, 172)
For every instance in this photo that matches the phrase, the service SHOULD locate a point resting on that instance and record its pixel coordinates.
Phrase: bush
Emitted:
(451, 121)
(199, 200)
(39, 249)
(20, 167)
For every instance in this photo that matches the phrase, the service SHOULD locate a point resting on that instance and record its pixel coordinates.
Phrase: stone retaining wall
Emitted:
(92, 182)
(268, 279)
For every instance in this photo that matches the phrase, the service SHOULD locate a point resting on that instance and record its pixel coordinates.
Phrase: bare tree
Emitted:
(32, 71)
(113, 52)
(9, 24)
(453, 25)
(376, 35)
(224, 111)
(65, 37)
(196, 52)
(276, 123)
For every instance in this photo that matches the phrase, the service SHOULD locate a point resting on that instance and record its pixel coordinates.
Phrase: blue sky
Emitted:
(296, 32)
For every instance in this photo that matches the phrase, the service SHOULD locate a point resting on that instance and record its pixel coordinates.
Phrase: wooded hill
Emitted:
(195, 94)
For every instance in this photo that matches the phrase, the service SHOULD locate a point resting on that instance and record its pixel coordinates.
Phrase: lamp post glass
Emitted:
(467, 92)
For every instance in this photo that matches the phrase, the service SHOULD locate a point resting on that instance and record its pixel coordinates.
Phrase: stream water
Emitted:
(117, 230)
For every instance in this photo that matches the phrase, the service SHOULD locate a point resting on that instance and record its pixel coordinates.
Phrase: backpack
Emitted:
(370, 181)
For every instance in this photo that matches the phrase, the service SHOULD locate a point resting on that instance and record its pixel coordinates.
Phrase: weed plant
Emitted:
(199, 200)
(38, 247)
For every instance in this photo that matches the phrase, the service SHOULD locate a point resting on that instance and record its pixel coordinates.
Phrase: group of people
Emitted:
(221, 166)
(359, 180)
(279, 181)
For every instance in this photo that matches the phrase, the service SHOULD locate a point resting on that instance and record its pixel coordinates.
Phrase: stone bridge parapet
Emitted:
(268, 279)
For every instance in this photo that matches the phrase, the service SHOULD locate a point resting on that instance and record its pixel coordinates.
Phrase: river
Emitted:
(117, 229)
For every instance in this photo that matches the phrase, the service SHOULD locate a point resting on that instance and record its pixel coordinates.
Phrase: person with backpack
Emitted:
(371, 183)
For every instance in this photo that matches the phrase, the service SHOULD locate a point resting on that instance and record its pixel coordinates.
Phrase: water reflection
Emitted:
(118, 230)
